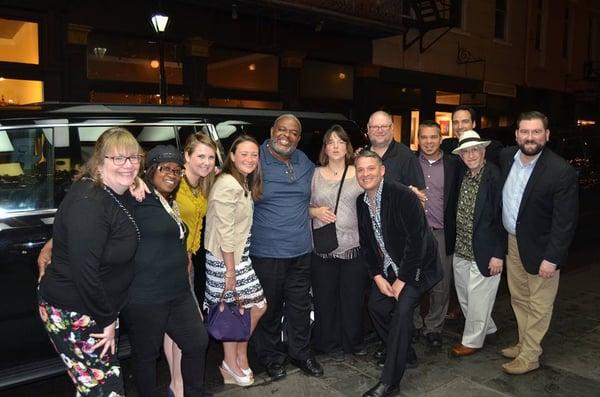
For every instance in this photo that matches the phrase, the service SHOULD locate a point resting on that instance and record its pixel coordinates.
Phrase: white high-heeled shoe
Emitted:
(246, 371)
(231, 378)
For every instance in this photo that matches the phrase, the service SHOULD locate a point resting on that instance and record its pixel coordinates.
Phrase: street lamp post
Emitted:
(159, 23)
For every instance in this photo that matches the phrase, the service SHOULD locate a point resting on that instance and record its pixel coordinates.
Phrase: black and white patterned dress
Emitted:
(247, 286)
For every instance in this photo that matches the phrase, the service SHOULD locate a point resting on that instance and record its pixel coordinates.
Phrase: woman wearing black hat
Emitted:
(160, 299)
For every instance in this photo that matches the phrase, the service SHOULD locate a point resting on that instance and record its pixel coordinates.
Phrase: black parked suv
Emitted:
(41, 148)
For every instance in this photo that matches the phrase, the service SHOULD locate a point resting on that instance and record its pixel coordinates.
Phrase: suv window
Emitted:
(25, 178)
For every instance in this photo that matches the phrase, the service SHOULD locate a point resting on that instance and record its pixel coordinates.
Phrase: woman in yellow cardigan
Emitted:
(200, 157)
(227, 241)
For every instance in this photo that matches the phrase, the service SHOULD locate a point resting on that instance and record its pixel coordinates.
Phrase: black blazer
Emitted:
(549, 208)
(407, 237)
(489, 236)
(453, 171)
(402, 166)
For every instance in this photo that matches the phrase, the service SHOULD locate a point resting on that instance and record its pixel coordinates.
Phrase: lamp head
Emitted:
(159, 22)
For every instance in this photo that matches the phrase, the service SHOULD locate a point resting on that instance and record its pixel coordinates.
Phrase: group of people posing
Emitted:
(405, 224)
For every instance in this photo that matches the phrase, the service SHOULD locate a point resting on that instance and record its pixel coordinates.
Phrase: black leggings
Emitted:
(147, 325)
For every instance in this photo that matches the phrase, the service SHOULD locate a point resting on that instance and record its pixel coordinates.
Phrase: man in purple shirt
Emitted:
(441, 174)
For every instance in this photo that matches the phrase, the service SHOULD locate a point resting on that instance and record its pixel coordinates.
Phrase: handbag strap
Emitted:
(236, 297)
(337, 200)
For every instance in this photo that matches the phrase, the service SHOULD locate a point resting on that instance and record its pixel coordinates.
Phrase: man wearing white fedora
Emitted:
(480, 243)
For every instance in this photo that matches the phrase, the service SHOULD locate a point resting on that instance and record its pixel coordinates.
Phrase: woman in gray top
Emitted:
(339, 278)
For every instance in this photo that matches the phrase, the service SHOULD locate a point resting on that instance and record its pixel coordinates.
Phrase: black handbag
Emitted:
(325, 237)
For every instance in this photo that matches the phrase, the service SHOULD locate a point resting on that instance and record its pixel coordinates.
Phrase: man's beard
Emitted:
(285, 152)
(531, 151)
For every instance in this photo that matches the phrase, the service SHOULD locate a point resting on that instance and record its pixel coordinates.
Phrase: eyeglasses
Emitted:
(288, 131)
(333, 142)
(379, 127)
(165, 170)
(120, 160)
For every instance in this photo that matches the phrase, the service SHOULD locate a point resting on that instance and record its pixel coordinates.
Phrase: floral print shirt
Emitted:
(464, 215)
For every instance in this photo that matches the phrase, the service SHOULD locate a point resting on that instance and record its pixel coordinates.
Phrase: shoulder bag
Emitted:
(325, 238)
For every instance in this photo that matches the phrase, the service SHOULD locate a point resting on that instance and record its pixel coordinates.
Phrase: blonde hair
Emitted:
(113, 138)
(191, 143)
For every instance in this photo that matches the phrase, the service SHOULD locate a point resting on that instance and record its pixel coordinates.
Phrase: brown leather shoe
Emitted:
(461, 350)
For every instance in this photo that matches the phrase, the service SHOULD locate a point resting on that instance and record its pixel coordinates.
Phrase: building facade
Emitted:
(416, 59)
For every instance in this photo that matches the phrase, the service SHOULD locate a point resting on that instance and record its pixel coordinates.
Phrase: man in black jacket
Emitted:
(480, 243)
(402, 260)
(442, 172)
(539, 212)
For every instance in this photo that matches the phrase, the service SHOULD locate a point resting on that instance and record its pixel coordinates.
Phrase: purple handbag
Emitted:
(228, 322)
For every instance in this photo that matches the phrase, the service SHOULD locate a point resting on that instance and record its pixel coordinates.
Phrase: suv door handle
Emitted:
(29, 246)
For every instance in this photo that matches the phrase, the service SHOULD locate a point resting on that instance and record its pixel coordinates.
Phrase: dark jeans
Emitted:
(393, 321)
(147, 325)
(286, 285)
(338, 287)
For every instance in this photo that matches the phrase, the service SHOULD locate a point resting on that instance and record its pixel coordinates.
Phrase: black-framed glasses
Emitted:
(385, 127)
(120, 160)
(165, 170)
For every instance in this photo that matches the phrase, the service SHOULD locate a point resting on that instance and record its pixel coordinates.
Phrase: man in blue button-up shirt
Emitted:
(539, 212)
(280, 249)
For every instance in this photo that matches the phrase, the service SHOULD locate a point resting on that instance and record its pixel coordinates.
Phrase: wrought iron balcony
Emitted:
(387, 16)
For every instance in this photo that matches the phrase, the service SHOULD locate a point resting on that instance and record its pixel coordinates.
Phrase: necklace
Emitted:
(137, 230)
(173, 211)
(335, 173)
(194, 189)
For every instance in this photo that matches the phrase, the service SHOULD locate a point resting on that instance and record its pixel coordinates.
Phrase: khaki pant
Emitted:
(532, 298)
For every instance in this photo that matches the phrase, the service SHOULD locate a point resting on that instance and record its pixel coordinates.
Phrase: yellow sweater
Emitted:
(192, 211)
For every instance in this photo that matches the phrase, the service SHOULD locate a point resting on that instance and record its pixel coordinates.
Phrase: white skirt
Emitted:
(247, 285)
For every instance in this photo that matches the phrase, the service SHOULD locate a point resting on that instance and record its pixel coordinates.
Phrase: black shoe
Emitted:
(360, 352)
(381, 390)
(381, 362)
(275, 371)
(379, 354)
(434, 339)
(411, 359)
(415, 335)
(310, 367)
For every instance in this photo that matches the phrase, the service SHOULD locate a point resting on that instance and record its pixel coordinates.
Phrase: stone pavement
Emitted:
(570, 365)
